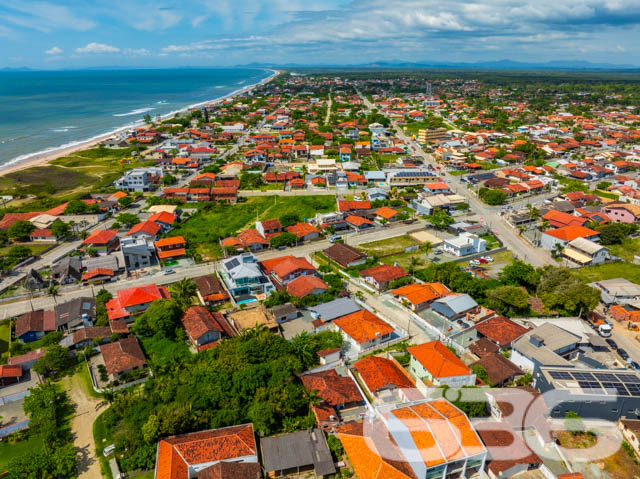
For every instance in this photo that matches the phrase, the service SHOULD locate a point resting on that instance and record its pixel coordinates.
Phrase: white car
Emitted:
(488, 258)
(474, 262)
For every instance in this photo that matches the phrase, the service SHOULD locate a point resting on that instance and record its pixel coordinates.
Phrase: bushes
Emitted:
(492, 196)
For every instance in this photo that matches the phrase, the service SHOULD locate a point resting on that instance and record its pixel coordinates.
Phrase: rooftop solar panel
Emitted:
(634, 389)
(606, 377)
(619, 388)
(583, 376)
(560, 375)
(629, 378)
(590, 387)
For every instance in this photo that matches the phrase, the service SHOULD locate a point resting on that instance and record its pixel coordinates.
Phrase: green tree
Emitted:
(169, 179)
(289, 219)
(102, 298)
(18, 253)
(492, 196)
(519, 273)
(276, 298)
(125, 201)
(440, 219)
(151, 429)
(481, 373)
(283, 239)
(561, 290)
(4, 238)
(183, 292)
(75, 207)
(128, 219)
(163, 316)
(54, 291)
(54, 363)
(508, 300)
(60, 229)
(573, 423)
(20, 230)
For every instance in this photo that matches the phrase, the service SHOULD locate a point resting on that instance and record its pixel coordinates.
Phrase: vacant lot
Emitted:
(85, 171)
(621, 269)
(394, 245)
(205, 228)
(629, 248)
(36, 248)
(5, 334)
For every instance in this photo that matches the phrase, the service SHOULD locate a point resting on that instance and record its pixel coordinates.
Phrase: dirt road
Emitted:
(85, 414)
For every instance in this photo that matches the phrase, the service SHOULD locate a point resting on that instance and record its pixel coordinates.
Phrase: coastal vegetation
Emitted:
(68, 177)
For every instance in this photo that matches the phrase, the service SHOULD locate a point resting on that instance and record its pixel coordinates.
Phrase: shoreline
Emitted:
(44, 157)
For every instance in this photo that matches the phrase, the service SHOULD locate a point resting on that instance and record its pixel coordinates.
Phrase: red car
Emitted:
(482, 260)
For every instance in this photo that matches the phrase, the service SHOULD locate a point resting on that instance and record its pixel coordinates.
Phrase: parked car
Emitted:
(612, 344)
(635, 366)
(623, 354)
(474, 262)
(488, 258)
(168, 271)
(437, 251)
(482, 260)
(334, 238)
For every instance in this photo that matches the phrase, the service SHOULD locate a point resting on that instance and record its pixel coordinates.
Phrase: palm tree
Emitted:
(557, 250)
(53, 290)
(412, 264)
(427, 247)
(183, 292)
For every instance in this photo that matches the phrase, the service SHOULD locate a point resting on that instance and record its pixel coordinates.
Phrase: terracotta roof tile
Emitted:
(380, 373)
(436, 358)
(122, 355)
(303, 286)
(335, 390)
(198, 321)
(363, 326)
(500, 330)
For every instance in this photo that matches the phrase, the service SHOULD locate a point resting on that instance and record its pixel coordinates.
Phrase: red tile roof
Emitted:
(163, 217)
(418, 294)
(126, 298)
(10, 218)
(250, 237)
(101, 237)
(27, 357)
(302, 229)
(386, 212)
(303, 286)
(500, 330)
(122, 355)
(363, 326)
(286, 265)
(174, 240)
(384, 273)
(97, 272)
(177, 453)
(35, 321)
(149, 227)
(198, 321)
(436, 358)
(7, 371)
(381, 373)
(335, 390)
(558, 219)
(344, 205)
(569, 233)
(358, 220)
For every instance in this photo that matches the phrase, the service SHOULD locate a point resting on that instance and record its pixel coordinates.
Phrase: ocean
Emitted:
(41, 111)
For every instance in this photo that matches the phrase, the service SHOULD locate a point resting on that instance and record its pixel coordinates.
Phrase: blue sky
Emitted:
(76, 34)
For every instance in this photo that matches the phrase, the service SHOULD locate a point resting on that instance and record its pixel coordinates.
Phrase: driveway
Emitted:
(86, 412)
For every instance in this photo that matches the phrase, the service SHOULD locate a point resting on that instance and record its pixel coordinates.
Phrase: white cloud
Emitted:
(44, 16)
(137, 52)
(54, 51)
(94, 47)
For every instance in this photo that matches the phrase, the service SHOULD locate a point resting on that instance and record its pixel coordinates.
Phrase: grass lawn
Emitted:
(397, 244)
(81, 380)
(69, 176)
(405, 259)
(458, 172)
(36, 248)
(5, 335)
(627, 249)
(10, 451)
(620, 269)
(491, 240)
(205, 228)
(146, 475)
(576, 441)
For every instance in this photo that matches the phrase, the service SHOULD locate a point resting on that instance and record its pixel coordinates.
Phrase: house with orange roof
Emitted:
(103, 241)
(420, 296)
(346, 205)
(559, 219)
(304, 231)
(285, 269)
(252, 240)
(171, 248)
(380, 276)
(431, 439)
(363, 331)
(132, 301)
(358, 222)
(385, 214)
(146, 229)
(303, 286)
(564, 235)
(338, 393)
(202, 326)
(433, 364)
(216, 453)
(386, 380)
(98, 276)
(122, 356)
(164, 219)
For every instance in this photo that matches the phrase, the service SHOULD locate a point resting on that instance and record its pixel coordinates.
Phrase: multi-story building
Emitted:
(139, 179)
(430, 135)
(243, 277)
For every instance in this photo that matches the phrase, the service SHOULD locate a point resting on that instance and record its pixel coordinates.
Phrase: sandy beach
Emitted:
(45, 157)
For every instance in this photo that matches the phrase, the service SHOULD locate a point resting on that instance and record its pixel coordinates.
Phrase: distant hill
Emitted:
(489, 65)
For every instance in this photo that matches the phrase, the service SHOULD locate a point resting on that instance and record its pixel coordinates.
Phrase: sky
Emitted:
(169, 33)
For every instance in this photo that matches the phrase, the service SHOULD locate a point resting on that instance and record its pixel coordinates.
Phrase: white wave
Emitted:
(162, 102)
(135, 112)
(64, 129)
(136, 123)
(219, 86)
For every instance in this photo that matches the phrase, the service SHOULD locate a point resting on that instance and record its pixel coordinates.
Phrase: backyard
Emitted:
(36, 247)
(629, 248)
(620, 269)
(205, 228)
(394, 245)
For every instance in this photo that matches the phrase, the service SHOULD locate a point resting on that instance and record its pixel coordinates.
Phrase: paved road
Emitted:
(326, 120)
(512, 240)
(47, 302)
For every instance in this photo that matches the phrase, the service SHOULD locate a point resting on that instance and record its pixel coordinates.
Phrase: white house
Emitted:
(464, 244)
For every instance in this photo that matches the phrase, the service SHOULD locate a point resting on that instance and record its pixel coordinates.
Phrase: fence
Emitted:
(19, 426)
